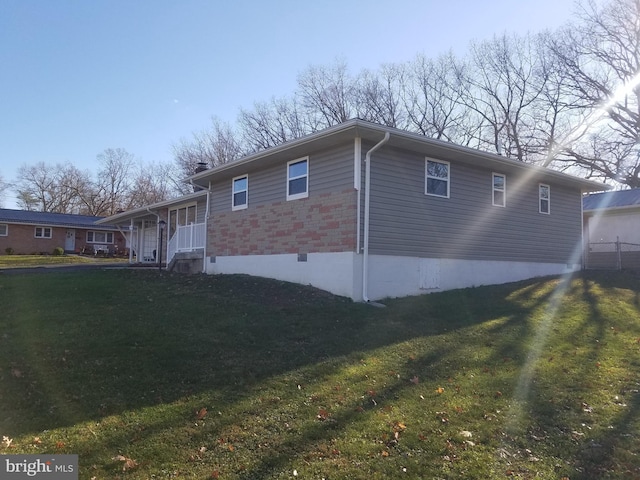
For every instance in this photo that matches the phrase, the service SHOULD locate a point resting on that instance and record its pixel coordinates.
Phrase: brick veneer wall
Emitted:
(321, 223)
(22, 240)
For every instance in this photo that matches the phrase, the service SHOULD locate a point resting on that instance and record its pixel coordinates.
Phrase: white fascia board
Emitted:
(403, 139)
(144, 211)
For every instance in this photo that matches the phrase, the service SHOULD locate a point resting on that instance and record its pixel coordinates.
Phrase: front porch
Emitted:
(156, 234)
(187, 238)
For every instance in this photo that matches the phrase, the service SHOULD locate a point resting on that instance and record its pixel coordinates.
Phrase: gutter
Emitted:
(367, 193)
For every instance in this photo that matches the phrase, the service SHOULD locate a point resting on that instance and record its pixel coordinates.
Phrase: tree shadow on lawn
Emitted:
(220, 338)
(148, 339)
(583, 398)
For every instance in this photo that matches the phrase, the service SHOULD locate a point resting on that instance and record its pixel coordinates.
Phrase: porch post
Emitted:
(131, 241)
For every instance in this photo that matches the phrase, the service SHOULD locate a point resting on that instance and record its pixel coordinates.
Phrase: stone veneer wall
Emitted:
(320, 223)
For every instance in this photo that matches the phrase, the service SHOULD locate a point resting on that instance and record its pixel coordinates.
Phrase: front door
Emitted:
(70, 241)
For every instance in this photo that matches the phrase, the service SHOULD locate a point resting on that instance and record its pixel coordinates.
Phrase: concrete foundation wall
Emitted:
(338, 273)
(389, 276)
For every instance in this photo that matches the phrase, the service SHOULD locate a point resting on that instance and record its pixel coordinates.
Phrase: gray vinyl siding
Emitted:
(406, 222)
(329, 171)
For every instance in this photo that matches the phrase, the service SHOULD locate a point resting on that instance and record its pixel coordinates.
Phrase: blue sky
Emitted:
(78, 76)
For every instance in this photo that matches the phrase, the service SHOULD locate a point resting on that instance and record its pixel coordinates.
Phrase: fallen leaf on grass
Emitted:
(200, 414)
(129, 463)
(16, 372)
(6, 441)
(415, 380)
(323, 414)
(399, 426)
(439, 390)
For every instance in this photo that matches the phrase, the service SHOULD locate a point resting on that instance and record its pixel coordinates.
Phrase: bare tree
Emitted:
(3, 189)
(49, 188)
(113, 187)
(328, 94)
(379, 96)
(600, 56)
(502, 83)
(272, 123)
(213, 146)
(432, 99)
(152, 183)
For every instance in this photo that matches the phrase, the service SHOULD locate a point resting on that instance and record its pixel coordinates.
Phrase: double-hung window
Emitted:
(298, 179)
(544, 195)
(4, 229)
(499, 190)
(437, 178)
(43, 232)
(99, 237)
(240, 195)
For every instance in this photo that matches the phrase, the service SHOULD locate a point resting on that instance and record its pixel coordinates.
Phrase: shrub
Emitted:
(58, 251)
(9, 251)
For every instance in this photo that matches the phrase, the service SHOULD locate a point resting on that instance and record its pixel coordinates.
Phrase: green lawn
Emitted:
(14, 261)
(148, 375)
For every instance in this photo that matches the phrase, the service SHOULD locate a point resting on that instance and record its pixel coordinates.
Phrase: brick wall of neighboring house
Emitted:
(22, 239)
(320, 223)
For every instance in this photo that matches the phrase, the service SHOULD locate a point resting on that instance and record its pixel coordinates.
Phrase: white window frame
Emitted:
(304, 194)
(4, 229)
(495, 190)
(174, 216)
(92, 234)
(43, 232)
(542, 199)
(427, 177)
(234, 192)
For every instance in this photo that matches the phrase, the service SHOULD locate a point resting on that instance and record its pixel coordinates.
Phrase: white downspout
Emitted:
(206, 226)
(367, 192)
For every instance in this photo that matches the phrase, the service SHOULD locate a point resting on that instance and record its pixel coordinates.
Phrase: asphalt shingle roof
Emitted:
(622, 198)
(50, 219)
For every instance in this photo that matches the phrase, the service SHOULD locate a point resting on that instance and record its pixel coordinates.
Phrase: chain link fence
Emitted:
(612, 256)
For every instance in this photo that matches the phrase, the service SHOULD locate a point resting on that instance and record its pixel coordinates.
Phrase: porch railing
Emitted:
(186, 239)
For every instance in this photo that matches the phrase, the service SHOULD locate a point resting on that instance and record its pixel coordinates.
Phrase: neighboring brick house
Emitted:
(26, 232)
(368, 211)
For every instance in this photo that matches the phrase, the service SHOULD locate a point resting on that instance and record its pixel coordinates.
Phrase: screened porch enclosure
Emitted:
(184, 233)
